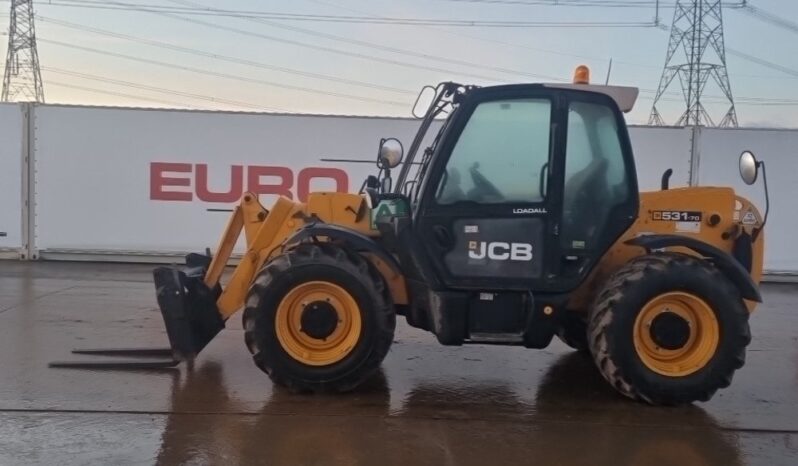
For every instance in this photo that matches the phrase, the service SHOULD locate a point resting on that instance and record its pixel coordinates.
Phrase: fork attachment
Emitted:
(190, 315)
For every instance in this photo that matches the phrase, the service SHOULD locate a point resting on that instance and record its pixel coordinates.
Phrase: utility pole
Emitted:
(22, 81)
(696, 53)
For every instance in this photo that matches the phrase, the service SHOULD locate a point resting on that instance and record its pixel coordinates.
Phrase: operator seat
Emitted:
(585, 202)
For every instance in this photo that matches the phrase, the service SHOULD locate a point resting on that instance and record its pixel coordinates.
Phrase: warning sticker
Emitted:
(749, 218)
(688, 227)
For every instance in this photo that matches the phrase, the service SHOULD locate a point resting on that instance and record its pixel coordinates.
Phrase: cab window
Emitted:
(595, 174)
(500, 154)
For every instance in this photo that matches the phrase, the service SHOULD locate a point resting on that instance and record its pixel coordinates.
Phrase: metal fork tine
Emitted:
(131, 352)
(116, 365)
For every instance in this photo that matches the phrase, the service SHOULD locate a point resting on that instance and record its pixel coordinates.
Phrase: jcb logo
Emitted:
(500, 251)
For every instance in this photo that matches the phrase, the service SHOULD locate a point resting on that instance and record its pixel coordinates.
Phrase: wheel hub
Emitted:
(319, 320)
(670, 330)
(318, 323)
(676, 334)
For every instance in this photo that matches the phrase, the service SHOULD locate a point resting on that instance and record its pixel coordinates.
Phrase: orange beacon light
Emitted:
(582, 75)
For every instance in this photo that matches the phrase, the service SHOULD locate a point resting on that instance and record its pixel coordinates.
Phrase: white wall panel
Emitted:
(97, 182)
(719, 152)
(11, 159)
(658, 149)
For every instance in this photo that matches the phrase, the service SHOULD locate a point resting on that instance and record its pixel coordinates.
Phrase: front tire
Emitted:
(319, 318)
(668, 329)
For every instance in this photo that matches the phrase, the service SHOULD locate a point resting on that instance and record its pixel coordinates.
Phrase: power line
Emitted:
(119, 94)
(384, 20)
(527, 47)
(415, 54)
(572, 3)
(734, 5)
(386, 48)
(770, 18)
(323, 48)
(147, 87)
(208, 54)
(246, 62)
(742, 6)
(408, 52)
(375, 46)
(165, 45)
(221, 75)
(648, 4)
(460, 33)
(598, 3)
(763, 62)
(250, 63)
(222, 57)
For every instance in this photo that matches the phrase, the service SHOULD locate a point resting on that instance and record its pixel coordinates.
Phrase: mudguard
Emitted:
(724, 261)
(357, 240)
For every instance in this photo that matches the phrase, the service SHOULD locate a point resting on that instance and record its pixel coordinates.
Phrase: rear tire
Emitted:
(297, 358)
(713, 336)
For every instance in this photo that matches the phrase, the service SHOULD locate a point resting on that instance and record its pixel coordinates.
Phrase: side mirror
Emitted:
(391, 153)
(749, 167)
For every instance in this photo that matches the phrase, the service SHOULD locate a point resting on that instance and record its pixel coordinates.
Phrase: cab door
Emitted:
(530, 188)
(485, 214)
(600, 196)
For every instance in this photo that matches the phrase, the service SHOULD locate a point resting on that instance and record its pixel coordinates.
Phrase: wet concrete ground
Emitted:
(430, 405)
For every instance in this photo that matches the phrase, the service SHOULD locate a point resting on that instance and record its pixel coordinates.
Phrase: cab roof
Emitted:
(624, 96)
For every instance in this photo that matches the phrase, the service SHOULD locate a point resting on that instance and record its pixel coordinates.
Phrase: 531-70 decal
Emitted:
(676, 216)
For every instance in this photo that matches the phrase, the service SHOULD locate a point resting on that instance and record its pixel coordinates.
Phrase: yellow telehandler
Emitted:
(520, 221)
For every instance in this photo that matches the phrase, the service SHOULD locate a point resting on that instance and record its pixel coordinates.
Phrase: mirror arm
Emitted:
(767, 201)
(387, 183)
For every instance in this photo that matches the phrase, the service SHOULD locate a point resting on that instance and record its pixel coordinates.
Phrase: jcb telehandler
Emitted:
(520, 221)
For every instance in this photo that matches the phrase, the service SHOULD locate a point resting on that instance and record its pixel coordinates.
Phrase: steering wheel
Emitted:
(483, 185)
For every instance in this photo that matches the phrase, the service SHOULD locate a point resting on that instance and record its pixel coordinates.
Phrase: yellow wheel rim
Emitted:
(693, 347)
(311, 347)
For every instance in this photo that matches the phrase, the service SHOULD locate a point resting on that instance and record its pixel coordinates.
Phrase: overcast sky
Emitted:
(345, 77)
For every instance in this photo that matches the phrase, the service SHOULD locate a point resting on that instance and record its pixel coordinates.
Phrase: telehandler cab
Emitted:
(519, 222)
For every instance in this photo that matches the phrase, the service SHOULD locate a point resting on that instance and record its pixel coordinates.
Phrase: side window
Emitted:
(500, 154)
(595, 174)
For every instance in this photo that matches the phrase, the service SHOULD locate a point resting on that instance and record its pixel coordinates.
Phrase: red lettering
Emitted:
(158, 181)
(281, 188)
(205, 194)
(307, 174)
(260, 180)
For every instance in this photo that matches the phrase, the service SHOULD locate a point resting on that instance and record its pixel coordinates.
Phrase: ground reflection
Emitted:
(574, 419)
